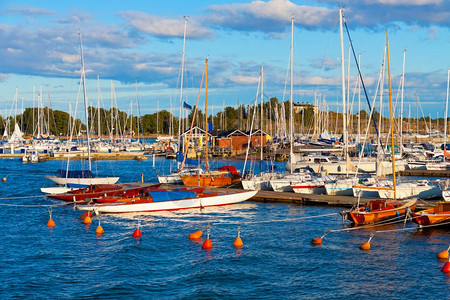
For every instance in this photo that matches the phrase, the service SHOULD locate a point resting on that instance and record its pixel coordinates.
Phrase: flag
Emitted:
(210, 126)
(186, 106)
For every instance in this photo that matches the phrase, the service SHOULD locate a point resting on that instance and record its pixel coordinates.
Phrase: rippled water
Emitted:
(277, 260)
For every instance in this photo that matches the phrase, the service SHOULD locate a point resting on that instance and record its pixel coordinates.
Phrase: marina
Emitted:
(244, 150)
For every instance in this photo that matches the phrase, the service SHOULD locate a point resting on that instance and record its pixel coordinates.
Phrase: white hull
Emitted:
(341, 187)
(411, 190)
(57, 190)
(309, 189)
(256, 185)
(83, 181)
(446, 195)
(170, 179)
(201, 202)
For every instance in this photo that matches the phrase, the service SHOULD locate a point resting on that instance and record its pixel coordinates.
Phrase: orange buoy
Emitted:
(443, 255)
(238, 242)
(317, 241)
(51, 223)
(207, 245)
(83, 216)
(87, 220)
(446, 267)
(196, 235)
(137, 233)
(99, 230)
(4, 179)
(365, 246)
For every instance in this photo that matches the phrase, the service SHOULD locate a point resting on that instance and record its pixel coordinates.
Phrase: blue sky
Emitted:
(132, 40)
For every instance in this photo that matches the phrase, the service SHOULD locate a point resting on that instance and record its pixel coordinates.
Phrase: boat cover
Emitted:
(231, 169)
(171, 195)
(75, 174)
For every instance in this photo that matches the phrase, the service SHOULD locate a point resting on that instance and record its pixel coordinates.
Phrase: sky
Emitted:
(135, 49)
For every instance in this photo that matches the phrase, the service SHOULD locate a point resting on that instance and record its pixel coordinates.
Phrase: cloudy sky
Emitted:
(128, 41)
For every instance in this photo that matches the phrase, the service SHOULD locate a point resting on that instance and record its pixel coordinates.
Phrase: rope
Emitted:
(36, 205)
(25, 197)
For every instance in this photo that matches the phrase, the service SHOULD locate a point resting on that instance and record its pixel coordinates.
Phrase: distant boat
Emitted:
(80, 177)
(167, 201)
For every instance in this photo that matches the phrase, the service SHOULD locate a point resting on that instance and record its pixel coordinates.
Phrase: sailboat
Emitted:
(81, 178)
(223, 176)
(382, 209)
(438, 214)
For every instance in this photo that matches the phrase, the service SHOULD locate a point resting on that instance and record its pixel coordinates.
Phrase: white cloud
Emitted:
(243, 79)
(407, 2)
(270, 16)
(3, 77)
(162, 27)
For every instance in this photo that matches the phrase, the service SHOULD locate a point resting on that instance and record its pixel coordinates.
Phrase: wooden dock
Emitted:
(304, 199)
(425, 173)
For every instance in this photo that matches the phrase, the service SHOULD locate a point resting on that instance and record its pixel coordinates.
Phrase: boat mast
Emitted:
(344, 107)
(291, 103)
(391, 117)
(401, 107)
(98, 108)
(262, 102)
(206, 115)
(181, 85)
(83, 79)
(446, 112)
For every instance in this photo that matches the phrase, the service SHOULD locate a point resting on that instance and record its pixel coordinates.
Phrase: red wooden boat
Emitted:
(105, 190)
(438, 214)
(379, 210)
(224, 176)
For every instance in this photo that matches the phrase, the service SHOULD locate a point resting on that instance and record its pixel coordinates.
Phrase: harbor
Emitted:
(225, 150)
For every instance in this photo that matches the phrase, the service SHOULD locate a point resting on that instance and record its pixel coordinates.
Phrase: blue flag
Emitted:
(186, 106)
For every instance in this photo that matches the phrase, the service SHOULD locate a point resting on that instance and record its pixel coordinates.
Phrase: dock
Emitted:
(304, 199)
(425, 173)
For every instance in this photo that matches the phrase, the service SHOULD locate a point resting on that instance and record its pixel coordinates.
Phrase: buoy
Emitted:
(443, 255)
(238, 242)
(317, 241)
(51, 223)
(137, 233)
(142, 177)
(4, 179)
(99, 230)
(83, 216)
(87, 220)
(196, 235)
(446, 267)
(207, 245)
(365, 246)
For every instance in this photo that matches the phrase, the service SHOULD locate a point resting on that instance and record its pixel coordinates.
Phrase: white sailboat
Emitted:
(81, 177)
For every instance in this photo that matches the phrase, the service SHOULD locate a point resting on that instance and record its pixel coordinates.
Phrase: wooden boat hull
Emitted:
(438, 214)
(210, 180)
(379, 210)
(171, 205)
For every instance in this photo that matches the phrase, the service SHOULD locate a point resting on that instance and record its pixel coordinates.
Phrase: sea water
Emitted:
(277, 260)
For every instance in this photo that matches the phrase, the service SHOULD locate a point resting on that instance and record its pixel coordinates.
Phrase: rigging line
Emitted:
(25, 197)
(360, 76)
(35, 205)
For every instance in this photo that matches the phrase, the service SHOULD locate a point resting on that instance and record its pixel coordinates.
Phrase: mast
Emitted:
(262, 102)
(98, 108)
(83, 79)
(139, 113)
(181, 83)
(401, 106)
(206, 115)
(392, 118)
(291, 103)
(344, 106)
(446, 109)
